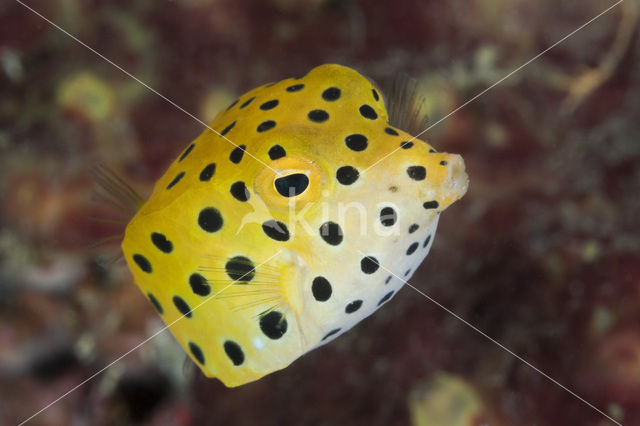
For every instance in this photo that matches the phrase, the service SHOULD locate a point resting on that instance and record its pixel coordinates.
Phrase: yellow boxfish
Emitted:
(269, 236)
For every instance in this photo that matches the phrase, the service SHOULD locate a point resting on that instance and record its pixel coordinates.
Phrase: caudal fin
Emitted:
(115, 191)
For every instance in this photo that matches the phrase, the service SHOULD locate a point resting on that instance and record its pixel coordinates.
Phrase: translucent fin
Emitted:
(405, 103)
(188, 367)
(107, 240)
(245, 285)
(107, 221)
(111, 190)
(115, 191)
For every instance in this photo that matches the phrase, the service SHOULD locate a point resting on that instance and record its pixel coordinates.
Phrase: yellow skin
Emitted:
(192, 240)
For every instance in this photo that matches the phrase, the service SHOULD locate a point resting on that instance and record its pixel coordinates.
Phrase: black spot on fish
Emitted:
(247, 102)
(161, 242)
(321, 289)
(199, 284)
(232, 104)
(186, 152)
(226, 129)
(356, 142)
(276, 152)
(182, 306)
(269, 105)
(234, 352)
(368, 112)
(318, 115)
(412, 248)
(331, 94)
(156, 304)
(175, 180)
(331, 233)
(331, 333)
(240, 268)
(276, 230)
(236, 155)
(369, 264)
(347, 175)
(207, 173)
(266, 125)
(353, 306)
(239, 191)
(210, 219)
(142, 262)
(295, 88)
(196, 352)
(273, 325)
(430, 204)
(388, 216)
(385, 298)
(417, 172)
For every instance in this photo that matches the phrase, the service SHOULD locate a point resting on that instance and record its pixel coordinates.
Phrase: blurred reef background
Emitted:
(542, 254)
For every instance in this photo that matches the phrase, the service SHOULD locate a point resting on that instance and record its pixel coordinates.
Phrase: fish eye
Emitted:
(292, 185)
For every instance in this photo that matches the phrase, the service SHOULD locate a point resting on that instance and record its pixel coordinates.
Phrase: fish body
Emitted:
(273, 236)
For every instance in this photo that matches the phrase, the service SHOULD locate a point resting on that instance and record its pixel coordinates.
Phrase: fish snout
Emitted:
(454, 181)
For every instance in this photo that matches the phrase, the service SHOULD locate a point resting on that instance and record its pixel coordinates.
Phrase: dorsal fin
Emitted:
(405, 103)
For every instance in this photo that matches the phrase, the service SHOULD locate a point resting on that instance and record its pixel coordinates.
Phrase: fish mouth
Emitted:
(459, 180)
(455, 185)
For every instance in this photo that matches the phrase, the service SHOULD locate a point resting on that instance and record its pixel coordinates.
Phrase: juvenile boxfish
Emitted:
(278, 244)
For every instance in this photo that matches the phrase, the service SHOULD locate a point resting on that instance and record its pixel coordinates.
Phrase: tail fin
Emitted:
(115, 191)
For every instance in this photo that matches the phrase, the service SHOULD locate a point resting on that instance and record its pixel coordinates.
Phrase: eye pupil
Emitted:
(292, 185)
